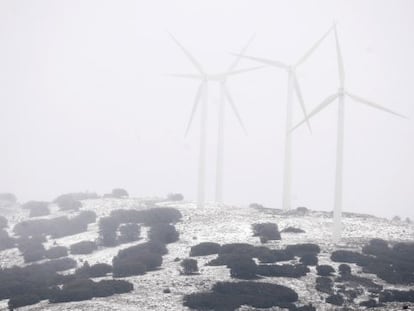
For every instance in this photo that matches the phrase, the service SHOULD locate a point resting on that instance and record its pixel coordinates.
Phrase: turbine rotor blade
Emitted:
(242, 51)
(266, 61)
(340, 60)
(323, 105)
(314, 47)
(300, 98)
(240, 71)
(188, 54)
(195, 105)
(373, 105)
(234, 108)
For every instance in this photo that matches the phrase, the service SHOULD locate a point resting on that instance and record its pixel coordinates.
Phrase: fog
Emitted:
(86, 102)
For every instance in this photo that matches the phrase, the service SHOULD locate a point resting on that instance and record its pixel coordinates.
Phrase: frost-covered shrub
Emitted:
(238, 248)
(325, 270)
(397, 295)
(336, 300)
(124, 268)
(204, 249)
(76, 196)
(232, 295)
(56, 252)
(274, 255)
(164, 233)
(175, 197)
(344, 269)
(83, 248)
(129, 233)
(39, 211)
(69, 204)
(108, 227)
(6, 241)
(147, 217)
(119, 193)
(302, 249)
(291, 271)
(293, 230)
(32, 249)
(242, 268)
(189, 266)
(309, 259)
(266, 231)
(324, 285)
(350, 257)
(23, 300)
(3, 222)
(85, 217)
(94, 271)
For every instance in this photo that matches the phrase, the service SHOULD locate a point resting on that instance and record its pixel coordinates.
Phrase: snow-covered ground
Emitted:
(213, 223)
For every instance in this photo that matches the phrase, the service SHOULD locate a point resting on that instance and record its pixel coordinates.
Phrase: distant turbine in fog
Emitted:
(202, 95)
(340, 94)
(293, 86)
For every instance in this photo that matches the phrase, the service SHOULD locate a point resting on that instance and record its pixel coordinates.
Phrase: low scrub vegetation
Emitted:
(83, 248)
(204, 249)
(266, 231)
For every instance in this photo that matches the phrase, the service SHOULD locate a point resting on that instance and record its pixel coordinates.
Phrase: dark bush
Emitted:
(94, 271)
(69, 204)
(39, 211)
(302, 249)
(32, 251)
(344, 269)
(124, 268)
(107, 230)
(23, 300)
(164, 233)
(35, 204)
(129, 233)
(309, 259)
(291, 271)
(266, 231)
(189, 266)
(350, 257)
(3, 222)
(371, 303)
(293, 230)
(397, 295)
(370, 285)
(238, 248)
(83, 248)
(56, 252)
(242, 268)
(271, 256)
(78, 196)
(324, 285)
(119, 193)
(60, 264)
(107, 288)
(336, 300)
(85, 217)
(325, 270)
(147, 217)
(6, 241)
(175, 197)
(204, 249)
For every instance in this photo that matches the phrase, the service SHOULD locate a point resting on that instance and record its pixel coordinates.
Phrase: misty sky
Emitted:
(86, 103)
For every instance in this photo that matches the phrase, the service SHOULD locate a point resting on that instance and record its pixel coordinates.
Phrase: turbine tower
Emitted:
(293, 87)
(340, 95)
(225, 97)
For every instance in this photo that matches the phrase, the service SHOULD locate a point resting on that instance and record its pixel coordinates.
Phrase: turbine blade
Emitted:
(266, 61)
(234, 108)
(373, 105)
(188, 54)
(236, 72)
(314, 47)
(242, 51)
(300, 98)
(340, 60)
(323, 105)
(185, 75)
(195, 105)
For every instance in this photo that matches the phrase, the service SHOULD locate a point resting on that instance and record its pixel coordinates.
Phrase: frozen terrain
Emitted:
(221, 224)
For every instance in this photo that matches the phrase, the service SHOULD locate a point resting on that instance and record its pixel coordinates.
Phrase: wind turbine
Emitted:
(202, 95)
(340, 95)
(293, 86)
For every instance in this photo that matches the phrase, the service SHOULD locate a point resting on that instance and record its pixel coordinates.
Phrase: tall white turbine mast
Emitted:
(340, 95)
(293, 86)
(225, 97)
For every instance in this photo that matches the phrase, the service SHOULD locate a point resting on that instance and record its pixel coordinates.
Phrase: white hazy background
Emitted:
(85, 103)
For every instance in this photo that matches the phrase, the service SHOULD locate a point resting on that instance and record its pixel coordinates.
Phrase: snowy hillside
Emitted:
(223, 225)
